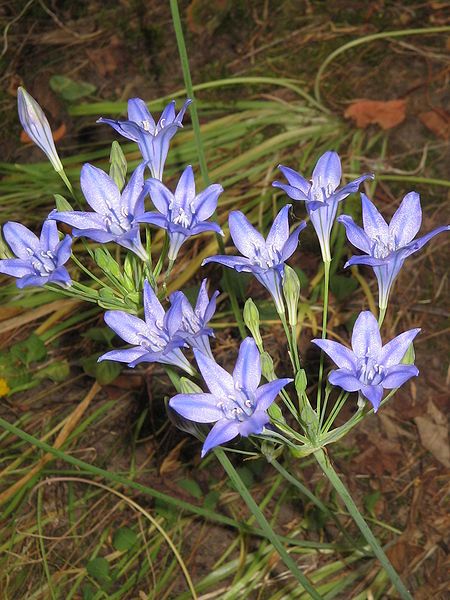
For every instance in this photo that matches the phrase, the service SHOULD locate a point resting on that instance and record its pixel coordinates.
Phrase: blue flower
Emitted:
(39, 260)
(152, 138)
(182, 213)
(194, 322)
(115, 216)
(37, 127)
(321, 195)
(235, 402)
(387, 246)
(154, 339)
(264, 258)
(370, 367)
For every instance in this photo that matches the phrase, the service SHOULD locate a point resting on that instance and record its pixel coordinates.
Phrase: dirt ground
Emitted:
(126, 48)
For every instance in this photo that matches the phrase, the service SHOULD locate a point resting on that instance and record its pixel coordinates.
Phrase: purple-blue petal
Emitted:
(339, 354)
(327, 172)
(99, 189)
(279, 232)
(139, 113)
(398, 375)
(185, 190)
(20, 239)
(247, 371)
(160, 195)
(63, 250)
(206, 201)
(128, 129)
(200, 408)
(222, 432)
(16, 267)
(132, 199)
(292, 242)
(394, 351)
(267, 393)
(219, 381)
(254, 424)
(374, 394)
(129, 327)
(153, 310)
(355, 234)
(419, 243)
(366, 339)
(49, 238)
(127, 355)
(374, 224)
(229, 261)
(245, 237)
(407, 220)
(345, 379)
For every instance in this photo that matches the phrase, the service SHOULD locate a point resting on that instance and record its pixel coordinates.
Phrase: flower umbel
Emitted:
(236, 403)
(264, 258)
(387, 246)
(370, 367)
(152, 138)
(39, 260)
(154, 339)
(115, 216)
(194, 321)
(182, 213)
(321, 195)
(37, 127)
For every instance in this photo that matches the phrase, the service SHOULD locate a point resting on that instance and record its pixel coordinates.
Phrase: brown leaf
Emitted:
(171, 463)
(437, 121)
(433, 432)
(369, 112)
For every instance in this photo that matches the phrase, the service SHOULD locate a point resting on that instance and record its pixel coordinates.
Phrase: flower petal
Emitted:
(31, 280)
(247, 371)
(374, 224)
(20, 239)
(153, 310)
(139, 113)
(296, 180)
(154, 218)
(160, 195)
(128, 129)
(398, 375)
(185, 190)
(254, 424)
(394, 351)
(355, 234)
(292, 242)
(352, 187)
(366, 339)
(417, 244)
(200, 408)
(222, 432)
(80, 220)
(129, 327)
(345, 379)
(292, 192)
(267, 393)
(230, 261)
(99, 189)
(127, 355)
(327, 172)
(374, 394)
(219, 381)
(279, 232)
(49, 238)
(206, 201)
(16, 267)
(60, 275)
(407, 220)
(245, 237)
(94, 234)
(132, 198)
(340, 354)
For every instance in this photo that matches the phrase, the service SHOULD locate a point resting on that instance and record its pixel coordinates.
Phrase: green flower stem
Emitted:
(292, 352)
(264, 524)
(327, 468)
(200, 150)
(326, 286)
(334, 412)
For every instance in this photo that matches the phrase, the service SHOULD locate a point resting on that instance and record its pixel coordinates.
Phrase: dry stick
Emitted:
(69, 426)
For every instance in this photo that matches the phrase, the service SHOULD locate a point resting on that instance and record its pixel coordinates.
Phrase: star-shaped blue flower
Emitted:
(116, 214)
(387, 246)
(321, 195)
(236, 403)
(182, 213)
(265, 258)
(369, 367)
(152, 138)
(154, 339)
(39, 260)
(194, 321)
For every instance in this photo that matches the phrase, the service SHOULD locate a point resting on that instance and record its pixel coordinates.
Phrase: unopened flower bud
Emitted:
(267, 368)
(251, 319)
(291, 290)
(37, 127)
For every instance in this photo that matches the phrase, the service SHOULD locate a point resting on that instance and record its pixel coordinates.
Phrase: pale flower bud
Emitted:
(291, 290)
(251, 319)
(37, 127)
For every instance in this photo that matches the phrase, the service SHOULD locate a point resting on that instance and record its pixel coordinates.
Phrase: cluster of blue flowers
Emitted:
(236, 403)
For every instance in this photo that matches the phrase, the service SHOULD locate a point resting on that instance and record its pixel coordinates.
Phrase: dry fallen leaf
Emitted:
(433, 432)
(437, 121)
(369, 112)
(172, 463)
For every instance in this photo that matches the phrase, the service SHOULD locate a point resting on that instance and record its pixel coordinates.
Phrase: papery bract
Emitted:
(116, 214)
(236, 403)
(264, 258)
(37, 127)
(387, 246)
(182, 213)
(369, 367)
(321, 195)
(194, 321)
(152, 138)
(154, 339)
(39, 260)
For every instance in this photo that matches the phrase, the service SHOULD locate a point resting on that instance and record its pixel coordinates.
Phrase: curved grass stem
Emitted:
(326, 286)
